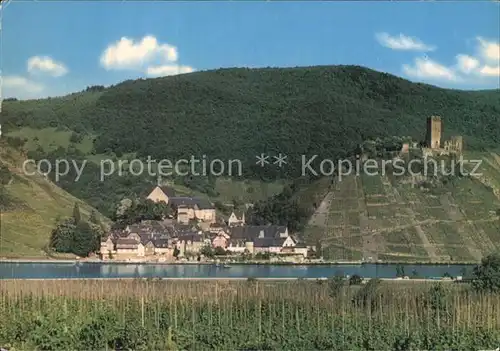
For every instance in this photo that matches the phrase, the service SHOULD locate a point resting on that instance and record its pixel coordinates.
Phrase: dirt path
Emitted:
(320, 216)
(429, 248)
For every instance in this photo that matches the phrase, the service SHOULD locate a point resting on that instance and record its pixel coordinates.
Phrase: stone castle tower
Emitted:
(434, 130)
(455, 144)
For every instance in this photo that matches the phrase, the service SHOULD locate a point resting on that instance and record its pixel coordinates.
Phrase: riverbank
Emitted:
(121, 262)
(235, 279)
(110, 270)
(254, 262)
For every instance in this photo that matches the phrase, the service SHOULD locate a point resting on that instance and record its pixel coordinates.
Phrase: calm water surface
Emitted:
(137, 270)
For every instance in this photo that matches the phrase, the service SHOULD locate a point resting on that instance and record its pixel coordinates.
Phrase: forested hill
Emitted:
(240, 113)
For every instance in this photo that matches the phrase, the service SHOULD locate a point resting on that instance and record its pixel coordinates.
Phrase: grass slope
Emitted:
(34, 205)
(50, 139)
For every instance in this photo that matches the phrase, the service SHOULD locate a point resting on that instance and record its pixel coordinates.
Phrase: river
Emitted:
(58, 270)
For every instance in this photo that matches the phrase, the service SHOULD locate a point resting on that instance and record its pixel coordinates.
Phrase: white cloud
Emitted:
(45, 64)
(489, 50)
(21, 87)
(429, 69)
(147, 55)
(402, 42)
(167, 70)
(21, 82)
(490, 71)
(478, 68)
(466, 63)
(129, 54)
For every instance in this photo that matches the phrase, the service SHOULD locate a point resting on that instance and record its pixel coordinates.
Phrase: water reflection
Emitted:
(137, 270)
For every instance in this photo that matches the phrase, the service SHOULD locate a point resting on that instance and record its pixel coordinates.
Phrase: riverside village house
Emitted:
(194, 227)
(195, 224)
(188, 208)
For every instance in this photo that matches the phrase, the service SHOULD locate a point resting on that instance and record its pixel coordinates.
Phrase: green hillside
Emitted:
(240, 113)
(29, 208)
(237, 114)
(391, 219)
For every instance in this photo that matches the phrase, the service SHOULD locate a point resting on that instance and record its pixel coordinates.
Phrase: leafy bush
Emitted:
(219, 251)
(72, 235)
(207, 251)
(142, 210)
(75, 138)
(355, 280)
(486, 276)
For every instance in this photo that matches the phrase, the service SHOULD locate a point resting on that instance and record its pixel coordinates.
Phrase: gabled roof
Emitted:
(182, 201)
(190, 236)
(236, 242)
(220, 233)
(238, 213)
(268, 242)
(105, 239)
(122, 234)
(168, 232)
(145, 238)
(167, 190)
(180, 228)
(160, 243)
(152, 227)
(156, 225)
(148, 243)
(124, 243)
(191, 202)
(204, 204)
(115, 233)
(217, 225)
(135, 228)
(251, 232)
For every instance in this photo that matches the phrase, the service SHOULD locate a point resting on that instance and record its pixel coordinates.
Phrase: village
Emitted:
(194, 234)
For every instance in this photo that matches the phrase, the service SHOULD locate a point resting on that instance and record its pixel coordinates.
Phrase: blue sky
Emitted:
(52, 48)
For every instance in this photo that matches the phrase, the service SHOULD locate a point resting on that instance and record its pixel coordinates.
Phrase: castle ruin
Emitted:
(434, 135)
(455, 144)
(434, 130)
